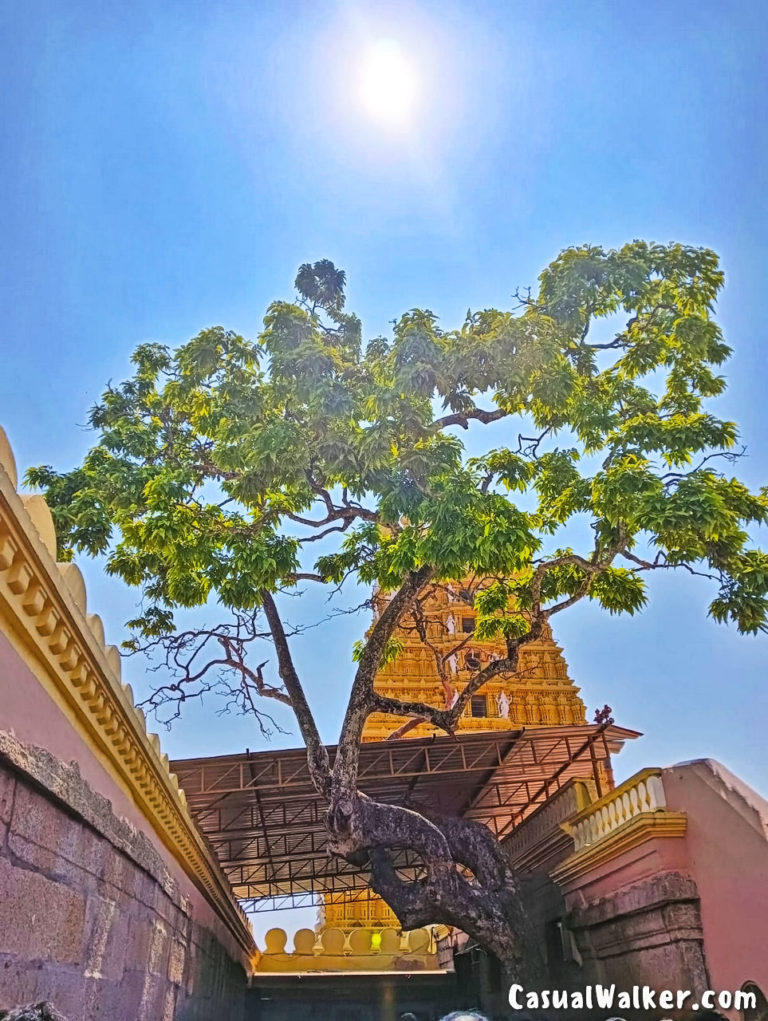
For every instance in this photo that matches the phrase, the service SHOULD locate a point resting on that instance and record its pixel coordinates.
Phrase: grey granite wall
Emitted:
(90, 918)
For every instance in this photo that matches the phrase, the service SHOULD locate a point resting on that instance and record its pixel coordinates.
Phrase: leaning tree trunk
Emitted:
(467, 883)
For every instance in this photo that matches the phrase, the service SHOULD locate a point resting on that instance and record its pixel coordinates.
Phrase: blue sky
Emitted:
(167, 166)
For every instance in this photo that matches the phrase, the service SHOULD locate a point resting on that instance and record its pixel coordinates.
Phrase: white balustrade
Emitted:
(641, 794)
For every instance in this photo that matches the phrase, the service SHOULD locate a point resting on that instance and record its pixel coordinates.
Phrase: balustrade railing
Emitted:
(641, 794)
(571, 799)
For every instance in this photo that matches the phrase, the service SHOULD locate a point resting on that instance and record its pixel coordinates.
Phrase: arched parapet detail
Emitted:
(390, 941)
(275, 941)
(114, 659)
(304, 941)
(418, 940)
(96, 625)
(39, 514)
(7, 460)
(362, 948)
(360, 941)
(333, 941)
(73, 579)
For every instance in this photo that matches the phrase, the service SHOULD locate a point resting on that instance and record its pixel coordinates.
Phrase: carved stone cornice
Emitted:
(43, 607)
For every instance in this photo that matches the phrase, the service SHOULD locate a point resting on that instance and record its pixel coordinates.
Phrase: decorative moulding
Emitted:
(45, 605)
(637, 831)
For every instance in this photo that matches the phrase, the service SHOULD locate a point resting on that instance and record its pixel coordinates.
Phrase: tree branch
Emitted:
(317, 754)
(462, 418)
(358, 707)
(486, 905)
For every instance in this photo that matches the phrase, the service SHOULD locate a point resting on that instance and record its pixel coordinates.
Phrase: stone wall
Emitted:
(354, 997)
(90, 917)
(112, 905)
(648, 933)
(662, 882)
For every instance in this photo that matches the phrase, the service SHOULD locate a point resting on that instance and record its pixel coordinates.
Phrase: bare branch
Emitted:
(425, 713)
(317, 755)
(658, 563)
(529, 445)
(326, 531)
(671, 478)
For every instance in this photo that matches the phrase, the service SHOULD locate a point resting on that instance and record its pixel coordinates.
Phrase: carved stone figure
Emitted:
(503, 703)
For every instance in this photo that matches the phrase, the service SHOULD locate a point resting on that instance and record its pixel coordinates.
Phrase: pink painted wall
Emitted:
(650, 859)
(725, 852)
(726, 847)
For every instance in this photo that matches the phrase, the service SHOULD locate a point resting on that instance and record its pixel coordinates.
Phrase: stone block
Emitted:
(7, 783)
(37, 818)
(116, 872)
(40, 919)
(107, 1000)
(7, 788)
(159, 946)
(143, 888)
(153, 998)
(49, 839)
(106, 940)
(134, 992)
(638, 933)
(64, 986)
(661, 889)
(176, 961)
(168, 910)
(139, 939)
(122, 878)
(169, 1007)
(42, 860)
(37, 829)
(92, 853)
(18, 981)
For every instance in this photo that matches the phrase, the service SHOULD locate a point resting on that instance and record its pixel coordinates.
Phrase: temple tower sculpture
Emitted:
(540, 694)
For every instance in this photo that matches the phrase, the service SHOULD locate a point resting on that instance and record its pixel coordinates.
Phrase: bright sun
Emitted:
(387, 83)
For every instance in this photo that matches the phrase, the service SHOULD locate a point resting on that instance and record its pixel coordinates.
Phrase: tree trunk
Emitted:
(467, 882)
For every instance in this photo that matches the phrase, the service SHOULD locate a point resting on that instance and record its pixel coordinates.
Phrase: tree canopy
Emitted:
(214, 458)
(219, 464)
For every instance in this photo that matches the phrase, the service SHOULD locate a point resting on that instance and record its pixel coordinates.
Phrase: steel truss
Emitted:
(266, 823)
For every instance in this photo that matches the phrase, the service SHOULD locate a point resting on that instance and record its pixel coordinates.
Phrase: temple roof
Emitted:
(266, 823)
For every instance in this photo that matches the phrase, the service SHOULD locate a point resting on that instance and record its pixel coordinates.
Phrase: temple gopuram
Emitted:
(439, 656)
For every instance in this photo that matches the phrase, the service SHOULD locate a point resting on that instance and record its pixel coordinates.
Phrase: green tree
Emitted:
(219, 464)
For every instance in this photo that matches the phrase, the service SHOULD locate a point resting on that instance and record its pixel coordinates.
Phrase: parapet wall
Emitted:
(105, 881)
(359, 949)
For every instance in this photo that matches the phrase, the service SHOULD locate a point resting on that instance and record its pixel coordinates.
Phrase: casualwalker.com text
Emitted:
(636, 998)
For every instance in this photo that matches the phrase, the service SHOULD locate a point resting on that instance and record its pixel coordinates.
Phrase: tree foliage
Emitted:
(219, 464)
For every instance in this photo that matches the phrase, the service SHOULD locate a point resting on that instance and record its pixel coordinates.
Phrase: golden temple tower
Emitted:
(439, 655)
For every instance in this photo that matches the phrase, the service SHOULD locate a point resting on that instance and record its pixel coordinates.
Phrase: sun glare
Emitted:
(387, 83)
